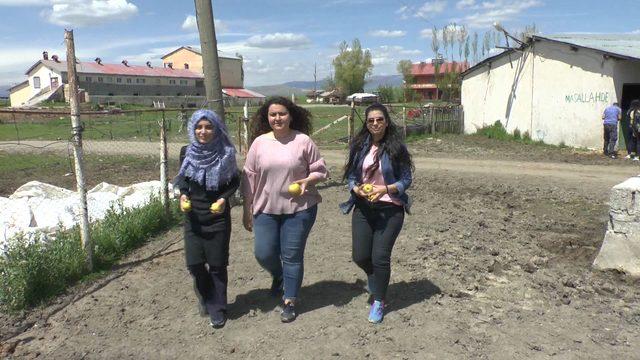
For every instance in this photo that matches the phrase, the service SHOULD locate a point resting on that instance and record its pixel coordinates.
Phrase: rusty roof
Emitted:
(118, 69)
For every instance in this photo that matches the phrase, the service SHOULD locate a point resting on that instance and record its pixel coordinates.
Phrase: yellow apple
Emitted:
(216, 208)
(367, 188)
(295, 189)
(185, 205)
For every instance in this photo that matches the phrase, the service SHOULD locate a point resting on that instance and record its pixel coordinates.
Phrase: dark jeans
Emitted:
(374, 229)
(279, 246)
(610, 139)
(211, 286)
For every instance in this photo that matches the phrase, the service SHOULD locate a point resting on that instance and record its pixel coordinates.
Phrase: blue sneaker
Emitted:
(376, 314)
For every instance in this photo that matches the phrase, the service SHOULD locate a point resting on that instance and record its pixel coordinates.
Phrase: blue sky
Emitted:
(281, 40)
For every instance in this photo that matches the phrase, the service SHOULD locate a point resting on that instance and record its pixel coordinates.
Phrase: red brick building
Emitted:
(425, 80)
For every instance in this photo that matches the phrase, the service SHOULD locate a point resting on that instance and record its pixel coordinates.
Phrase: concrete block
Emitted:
(620, 249)
(619, 252)
(625, 197)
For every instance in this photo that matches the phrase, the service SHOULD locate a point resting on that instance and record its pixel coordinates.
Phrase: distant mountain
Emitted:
(376, 81)
(301, 87)
(282, 90)
(4, 91)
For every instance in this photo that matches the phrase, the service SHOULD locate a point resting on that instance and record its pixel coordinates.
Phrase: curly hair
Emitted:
(391, 143)
(300, 117)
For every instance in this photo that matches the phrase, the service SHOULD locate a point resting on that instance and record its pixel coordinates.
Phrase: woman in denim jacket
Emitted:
(378, 171)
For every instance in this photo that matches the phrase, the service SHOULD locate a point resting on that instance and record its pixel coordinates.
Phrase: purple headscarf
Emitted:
(213, 162)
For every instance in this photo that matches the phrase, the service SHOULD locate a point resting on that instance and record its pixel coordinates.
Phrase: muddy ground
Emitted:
(493, 263)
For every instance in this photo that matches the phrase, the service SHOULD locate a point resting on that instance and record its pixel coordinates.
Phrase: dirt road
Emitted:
(493, 263)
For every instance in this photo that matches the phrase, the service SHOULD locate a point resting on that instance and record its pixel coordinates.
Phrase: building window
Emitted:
(172, 82)
(87, 78)
(99, 79)
(118, 80)
(140, 81)
(179, 94)
(36, 82)
(183, 82)
(128, 81)
(136, 94)
(186, 66)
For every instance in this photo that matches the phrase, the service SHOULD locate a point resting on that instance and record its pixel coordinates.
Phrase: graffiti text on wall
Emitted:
(592, 97)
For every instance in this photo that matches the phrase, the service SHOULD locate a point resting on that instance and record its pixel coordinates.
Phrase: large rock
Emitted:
(621, 246)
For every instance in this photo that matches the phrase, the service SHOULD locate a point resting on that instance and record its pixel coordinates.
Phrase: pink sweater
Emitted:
(271, 166)
(376, 177)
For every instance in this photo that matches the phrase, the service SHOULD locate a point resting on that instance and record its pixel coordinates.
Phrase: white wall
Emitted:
(558, 97)
(45, 75)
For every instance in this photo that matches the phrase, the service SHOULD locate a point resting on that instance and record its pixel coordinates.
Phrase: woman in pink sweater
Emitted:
(282, 215)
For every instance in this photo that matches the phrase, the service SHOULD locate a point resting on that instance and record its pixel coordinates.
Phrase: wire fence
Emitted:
(430, 119)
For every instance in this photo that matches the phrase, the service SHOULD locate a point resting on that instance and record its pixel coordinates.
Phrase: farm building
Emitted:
(424, 74)
(127, 83)
(554, 88)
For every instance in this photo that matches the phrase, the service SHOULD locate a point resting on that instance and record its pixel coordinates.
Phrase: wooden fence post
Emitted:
(77, 147)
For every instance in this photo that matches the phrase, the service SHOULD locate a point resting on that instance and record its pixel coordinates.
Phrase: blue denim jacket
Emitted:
(400, 176)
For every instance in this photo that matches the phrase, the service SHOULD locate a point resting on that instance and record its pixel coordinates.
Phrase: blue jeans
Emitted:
(279, 245)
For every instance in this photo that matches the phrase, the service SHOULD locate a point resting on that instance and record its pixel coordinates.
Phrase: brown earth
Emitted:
(493, 263)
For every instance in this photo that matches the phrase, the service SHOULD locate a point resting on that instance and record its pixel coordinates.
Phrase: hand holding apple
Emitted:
(218, 206)
(185, 204)
(295, 189)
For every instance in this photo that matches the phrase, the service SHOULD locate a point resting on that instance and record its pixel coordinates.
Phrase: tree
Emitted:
(404, 68)
(435, 42)
(474, 47)
(351, 66)
(463, 35)
(386, 93)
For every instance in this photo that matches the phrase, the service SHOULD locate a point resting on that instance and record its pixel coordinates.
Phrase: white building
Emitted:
(555, 88)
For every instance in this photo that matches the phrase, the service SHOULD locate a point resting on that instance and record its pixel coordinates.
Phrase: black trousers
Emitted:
(211, 286)
(610, 139)
(374, 229)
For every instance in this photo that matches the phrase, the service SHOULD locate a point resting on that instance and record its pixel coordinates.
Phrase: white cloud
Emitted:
(80, 13)
(24, 2)
(498, 10)
(636, 31)
(279, 41)
(191, 24)
(426, 33)
(430, 8)
(388, 33)
(465, 4)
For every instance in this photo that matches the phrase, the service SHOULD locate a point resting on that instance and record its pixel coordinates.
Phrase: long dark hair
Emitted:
(391, 143)
(300, 117)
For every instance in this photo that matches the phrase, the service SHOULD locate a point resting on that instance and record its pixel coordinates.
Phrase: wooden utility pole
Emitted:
(76, 127)
(209, 48)
(164, 182)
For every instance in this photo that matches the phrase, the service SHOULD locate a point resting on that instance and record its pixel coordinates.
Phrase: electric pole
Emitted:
(209, 48)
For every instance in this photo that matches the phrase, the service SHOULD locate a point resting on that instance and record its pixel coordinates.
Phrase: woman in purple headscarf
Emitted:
(208, 176)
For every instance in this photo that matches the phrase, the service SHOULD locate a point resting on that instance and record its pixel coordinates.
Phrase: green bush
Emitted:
(495, 131)
(34, 270)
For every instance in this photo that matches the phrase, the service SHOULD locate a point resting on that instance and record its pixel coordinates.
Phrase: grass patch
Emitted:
(498, 132)
(33, 271)
(143, 126)
(16, 169)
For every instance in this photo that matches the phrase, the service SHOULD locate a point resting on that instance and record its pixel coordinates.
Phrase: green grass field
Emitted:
(143, 126)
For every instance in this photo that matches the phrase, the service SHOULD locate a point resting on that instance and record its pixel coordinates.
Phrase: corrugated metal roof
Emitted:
(425, 68)
(620, 44)
(118, 69)
(241, 93)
